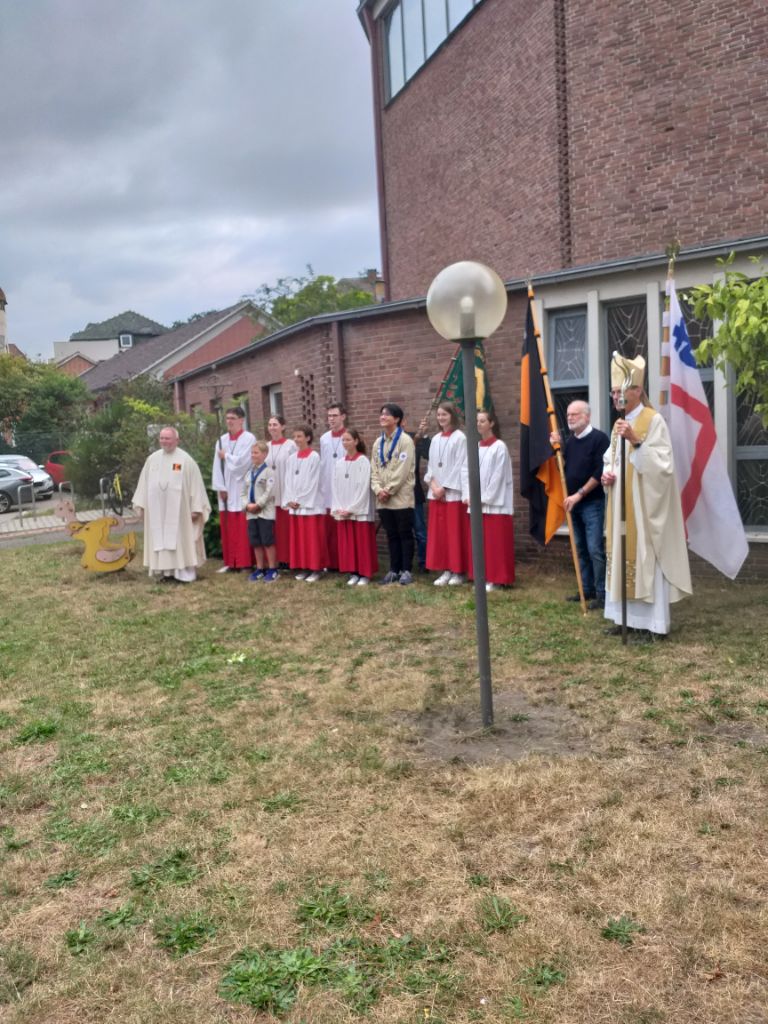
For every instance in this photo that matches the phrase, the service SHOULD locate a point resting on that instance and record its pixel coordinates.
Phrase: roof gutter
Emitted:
(513, 285)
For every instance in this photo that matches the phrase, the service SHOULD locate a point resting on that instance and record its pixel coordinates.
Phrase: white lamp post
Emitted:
(466, 302)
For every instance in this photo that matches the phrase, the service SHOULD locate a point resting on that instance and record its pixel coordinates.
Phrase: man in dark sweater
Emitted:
(583, 453)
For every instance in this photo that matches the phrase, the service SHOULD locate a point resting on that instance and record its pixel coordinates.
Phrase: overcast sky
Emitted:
(169, 156)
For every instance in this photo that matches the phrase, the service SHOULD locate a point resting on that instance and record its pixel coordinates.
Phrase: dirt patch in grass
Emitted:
(521, 727)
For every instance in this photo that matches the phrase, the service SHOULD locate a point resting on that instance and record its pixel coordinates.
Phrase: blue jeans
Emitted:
(420, 533)
(587, 519)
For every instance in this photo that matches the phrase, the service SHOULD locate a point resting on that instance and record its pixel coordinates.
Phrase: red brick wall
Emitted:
(396, 357)
(660, 125)
(667, 109)
(230, 340)
(470, 151)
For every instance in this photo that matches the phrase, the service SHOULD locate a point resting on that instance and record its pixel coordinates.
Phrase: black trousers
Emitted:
(398, 526)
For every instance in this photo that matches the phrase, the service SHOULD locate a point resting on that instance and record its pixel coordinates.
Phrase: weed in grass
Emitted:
(496, 914)
(269, 979)
(286, 801)
(11, 841)
(326, 905)
(622, 930)
(126, 916)
(6, 721)
(189, 772)
(62, 880)
(514, 1008)
(94, 838)
(183, 933)
(137, 816)
(177, 868)
(71, 768)
(80, 939)
(479, 880)
(725, 782)
(18, 970)
(38, 731)
(541, 977)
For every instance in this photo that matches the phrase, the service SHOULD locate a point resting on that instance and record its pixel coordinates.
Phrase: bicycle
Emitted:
(117, 497)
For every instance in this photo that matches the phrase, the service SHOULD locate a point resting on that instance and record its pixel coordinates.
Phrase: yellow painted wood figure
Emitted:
(102, 554)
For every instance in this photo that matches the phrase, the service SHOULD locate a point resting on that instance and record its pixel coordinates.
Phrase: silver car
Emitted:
(11, 479)
(42, 481)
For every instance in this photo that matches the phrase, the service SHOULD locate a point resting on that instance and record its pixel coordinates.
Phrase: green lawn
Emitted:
(232, 802)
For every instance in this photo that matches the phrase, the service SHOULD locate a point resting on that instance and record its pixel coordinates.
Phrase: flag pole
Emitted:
(673, 250)
(553, 429)
(436, 400)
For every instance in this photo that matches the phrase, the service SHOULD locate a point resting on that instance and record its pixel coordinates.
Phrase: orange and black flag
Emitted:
(540, 480)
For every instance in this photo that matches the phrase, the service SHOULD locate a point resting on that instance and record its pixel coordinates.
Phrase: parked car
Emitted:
(54, 466)
(11, 479)
(43, 482)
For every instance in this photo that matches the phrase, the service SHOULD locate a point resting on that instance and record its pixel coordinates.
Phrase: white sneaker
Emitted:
(300, 576)
(492, 586)
(353, 579)
(313, 577)
(441, 581)
(224, 568)
(456, 580)
(363, 581)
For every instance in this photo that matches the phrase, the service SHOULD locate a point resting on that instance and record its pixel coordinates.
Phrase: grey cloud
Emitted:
(136, 134)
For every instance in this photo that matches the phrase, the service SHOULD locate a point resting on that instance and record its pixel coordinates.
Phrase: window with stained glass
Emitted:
(567, 359)
(626, 332)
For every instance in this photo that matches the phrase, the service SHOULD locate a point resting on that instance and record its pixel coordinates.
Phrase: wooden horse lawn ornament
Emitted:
(100, 553)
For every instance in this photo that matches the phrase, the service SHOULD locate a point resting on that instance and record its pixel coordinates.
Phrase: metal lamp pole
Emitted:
(466, 302)
(476, 528)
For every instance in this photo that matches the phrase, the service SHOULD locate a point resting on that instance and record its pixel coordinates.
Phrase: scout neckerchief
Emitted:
(385, 459)
(255, 474)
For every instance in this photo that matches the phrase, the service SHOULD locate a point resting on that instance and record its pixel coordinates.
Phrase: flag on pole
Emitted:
(712, 521)
(452, 388)
(540, 480)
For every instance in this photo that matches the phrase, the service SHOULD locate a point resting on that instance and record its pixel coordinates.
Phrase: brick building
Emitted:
(566, 141)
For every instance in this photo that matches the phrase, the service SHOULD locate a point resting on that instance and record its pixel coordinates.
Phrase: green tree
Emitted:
(124, 432)
(40, 407)
(293, 299)
(739, 304)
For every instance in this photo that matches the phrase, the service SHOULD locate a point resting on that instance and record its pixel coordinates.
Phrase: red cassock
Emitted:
(308, 533)
(356, 536)
(280, 452)
(498, 524)
(235, 546)
(447, 547)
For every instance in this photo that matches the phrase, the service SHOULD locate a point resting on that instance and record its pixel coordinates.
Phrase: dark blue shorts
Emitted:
(261, 533)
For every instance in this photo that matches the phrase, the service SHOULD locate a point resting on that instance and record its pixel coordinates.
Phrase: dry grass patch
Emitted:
(233, 803)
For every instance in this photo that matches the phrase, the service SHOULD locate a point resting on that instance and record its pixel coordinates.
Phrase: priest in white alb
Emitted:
(173, 502)
(657, 572)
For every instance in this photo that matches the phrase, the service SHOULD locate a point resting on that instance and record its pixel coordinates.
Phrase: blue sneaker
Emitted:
(270, 575)
(391, 577)
(405, 579)
(256, 575)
